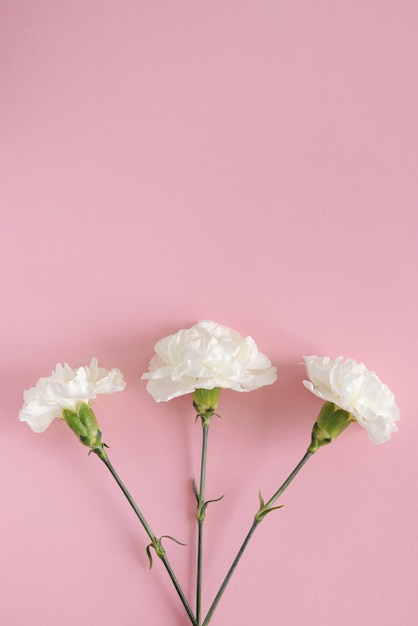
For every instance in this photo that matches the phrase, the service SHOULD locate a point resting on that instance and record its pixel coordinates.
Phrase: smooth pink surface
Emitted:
(250, 162)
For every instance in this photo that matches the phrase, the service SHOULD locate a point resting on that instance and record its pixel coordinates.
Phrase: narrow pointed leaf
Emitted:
(173, 539)
(214, 500)
(148, 551)
(196, 490)
(273, 508)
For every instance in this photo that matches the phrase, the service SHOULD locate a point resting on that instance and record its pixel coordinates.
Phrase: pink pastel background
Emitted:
(253, 162)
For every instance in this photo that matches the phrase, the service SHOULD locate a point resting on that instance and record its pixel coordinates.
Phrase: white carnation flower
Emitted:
(351, 386)
(206, 356)
(66, 388)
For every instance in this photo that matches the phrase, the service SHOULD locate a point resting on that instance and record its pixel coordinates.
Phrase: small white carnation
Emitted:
(351, 386)
(66, 388)
(206, 356)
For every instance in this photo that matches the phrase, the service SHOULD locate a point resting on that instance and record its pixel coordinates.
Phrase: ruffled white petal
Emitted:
(66, 388)
(351, 386)
(206, 356)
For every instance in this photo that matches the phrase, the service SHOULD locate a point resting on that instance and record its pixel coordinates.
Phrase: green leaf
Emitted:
(173, 539)
(214, 500)
(262, 514)
(148, 551)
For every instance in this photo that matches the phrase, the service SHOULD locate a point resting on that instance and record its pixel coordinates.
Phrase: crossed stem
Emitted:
(156, 543)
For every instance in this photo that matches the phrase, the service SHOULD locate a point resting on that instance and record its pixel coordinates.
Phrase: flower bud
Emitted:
(205, 402)
(331, 422)
(84, 424)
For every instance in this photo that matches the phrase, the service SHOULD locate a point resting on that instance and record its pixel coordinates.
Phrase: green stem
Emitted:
(201, 512)
(155, 541)
(268, 505)
(131, 501)
(261, 513)
(229, 574)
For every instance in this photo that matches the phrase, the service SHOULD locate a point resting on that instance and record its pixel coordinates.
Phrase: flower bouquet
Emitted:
(201, 361)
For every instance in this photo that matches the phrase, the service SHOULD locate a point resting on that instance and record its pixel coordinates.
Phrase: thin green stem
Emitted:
(229, 574)
(269, 504)
(261, 513)
(154, 540)
(201, 512)
(130, 499)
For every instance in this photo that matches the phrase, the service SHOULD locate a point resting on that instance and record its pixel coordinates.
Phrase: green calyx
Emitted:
(205, 403)
(84, 424)
(331, 422)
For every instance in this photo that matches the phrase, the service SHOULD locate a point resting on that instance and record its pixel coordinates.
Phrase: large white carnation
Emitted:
(66, 388)
(206, 356)
(351, 386)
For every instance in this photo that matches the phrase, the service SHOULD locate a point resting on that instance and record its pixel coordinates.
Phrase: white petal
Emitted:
(205, 356)
(66, 388)
(351, 386)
